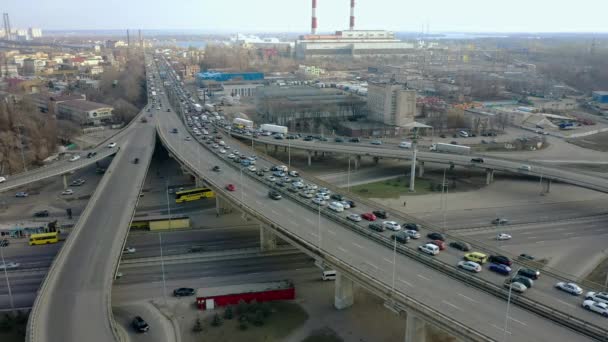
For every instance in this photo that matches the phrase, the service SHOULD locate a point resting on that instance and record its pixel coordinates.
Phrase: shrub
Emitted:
(258, 318)
(266, 309)
(241, 307)
(228, 314)
(243, 325)
(217, 321)
(198, 326)
(253, 306)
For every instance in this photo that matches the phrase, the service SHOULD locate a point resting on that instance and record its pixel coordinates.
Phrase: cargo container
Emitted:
(242, 123)
(274, 128)
(450, 148)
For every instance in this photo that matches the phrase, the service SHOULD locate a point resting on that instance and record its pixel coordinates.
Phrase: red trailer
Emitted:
(209, 298)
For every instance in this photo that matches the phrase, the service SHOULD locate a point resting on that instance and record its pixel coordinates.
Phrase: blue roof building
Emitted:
(225, 77)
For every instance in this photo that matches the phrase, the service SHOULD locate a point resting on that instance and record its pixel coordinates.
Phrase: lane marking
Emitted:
(520, 322)
(450, 304)
(566, 303)
(532, 237)
(313, 234)
(542, 241)
(526, 233)
(499, 328)
(342, 249)
(406, 283)
(372, 265)
(468, 298)
(309, 221)
(289, 210)
(331, 232)
(357, 245)
(423, 277)
(274, 212)
(387, 260)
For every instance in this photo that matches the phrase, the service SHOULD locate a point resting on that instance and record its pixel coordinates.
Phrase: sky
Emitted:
(294, 15)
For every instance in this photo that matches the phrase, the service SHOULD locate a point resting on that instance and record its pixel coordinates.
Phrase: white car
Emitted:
(412, 234)
(306, 195)
(252, 168)
(391, 225)
(470, 266)
(323, 195)
(2, 179)
(129, 250)
(601, 297)
(67, 192)
(231, 156)
(293, 173)
(74, 158)
(571, 288)
(298, 185)
(112, 145)
(601, 308)
(516, 286)
(319, 201)
(215, 145)
(222, 143)
(429, 249)
(345, 204)
(503, 236)
(271, 178)
(354, 217)
(335, 206)
(312, 186)
(222, 151)
(9, 266)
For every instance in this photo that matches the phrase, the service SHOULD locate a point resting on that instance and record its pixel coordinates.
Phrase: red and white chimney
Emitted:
(314, 17)
(352, 15)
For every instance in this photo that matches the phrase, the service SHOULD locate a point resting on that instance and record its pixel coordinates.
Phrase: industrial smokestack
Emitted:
(314, 17)
(352, 15)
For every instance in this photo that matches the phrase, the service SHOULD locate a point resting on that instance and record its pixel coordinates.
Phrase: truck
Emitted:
(198, 107)
(209, 107)
(273, 128)
(450, 148)
(242, 123)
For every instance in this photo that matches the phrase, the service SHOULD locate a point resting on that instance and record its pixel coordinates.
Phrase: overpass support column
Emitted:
(276, 148)
(285, 149)
(309, 158)
(415, 329)
(376, 160)
(357, 162)
(344, 294)
(315, 154)
(420, 169)
(548, 187)
(198, 182)
(489, 176)
(222, 206)
(65, 181)
(266, 148)
(268, 239)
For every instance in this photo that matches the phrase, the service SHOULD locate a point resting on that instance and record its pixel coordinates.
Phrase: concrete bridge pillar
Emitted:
(309, 158)
(420, 169)
(268, 239)
(222, 206)
(266, 148)
(276, 148)
(315, 154)
(415, 329)
(376, 160)
(198, 182)
(285, 149)
(344, 294)
(322, 154)
(357, 162)
(489, 176)
(65, 181)
(548, 186)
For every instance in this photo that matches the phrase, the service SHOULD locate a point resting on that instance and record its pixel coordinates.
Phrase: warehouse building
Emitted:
(84, 112)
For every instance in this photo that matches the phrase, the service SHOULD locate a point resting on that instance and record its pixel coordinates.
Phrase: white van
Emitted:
(429, 248)
(405, 144)
(336, 206)
(463, 134)
(329, 275)
(525, 167)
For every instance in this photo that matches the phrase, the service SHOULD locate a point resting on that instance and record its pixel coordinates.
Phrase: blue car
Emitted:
(500, 269)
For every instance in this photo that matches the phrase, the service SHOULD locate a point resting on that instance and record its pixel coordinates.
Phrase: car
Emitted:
(571, 288)
(439, 244)
(187, 138)
(524, 280)
(279, 183)
(4, 242)
(113, 144)
(500, 269)
(470, 266)
(140, 325)
(325, 196)
(435, 236)
(183, 292)
(91, 154)
(529, 273)
(345, 204)
(515, 286)
(354, 217)
(476, 257)
(294, 173)
(230, 187)
(380, 214)
(271, 178)
(216, 168)
(376, 226)
(376, 142)
(503, 236)
(260, 173)
(252, 168)
(274, 195)
(412, 226)
(500, 259)
(75, 158)
(477, 160)
(368, 216)
(601, 308)
(78, 182)
(350, 203)
(337, 197)
(413, 234)
(319, 201)
(524, 256)
(2, 179)
(601, 297)
(41, 213)
(9, 266)
(391, 225)
(500, 220)
(21, 194)
(306, 194)
(336, 206)
(429, 249)
(129, 250)
(339, 139)
(136, 161)
(525, 168)
(401, 237)
(67, 192)
(463, 246)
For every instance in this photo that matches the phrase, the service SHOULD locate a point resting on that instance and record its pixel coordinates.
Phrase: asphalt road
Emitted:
(432, 288)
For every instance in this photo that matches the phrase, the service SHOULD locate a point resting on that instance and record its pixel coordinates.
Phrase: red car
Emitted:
(230, 187)
(439, 244)
(368, 216)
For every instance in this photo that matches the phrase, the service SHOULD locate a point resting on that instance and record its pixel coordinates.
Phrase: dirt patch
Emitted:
(323, 335)
(597, 142)
(598, 275)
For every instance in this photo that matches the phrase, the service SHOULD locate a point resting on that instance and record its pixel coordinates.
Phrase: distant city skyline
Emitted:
(275, 16)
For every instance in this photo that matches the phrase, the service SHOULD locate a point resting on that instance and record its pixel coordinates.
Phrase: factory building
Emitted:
(391, 104)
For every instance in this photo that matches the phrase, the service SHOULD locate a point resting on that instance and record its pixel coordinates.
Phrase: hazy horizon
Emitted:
(517, 16)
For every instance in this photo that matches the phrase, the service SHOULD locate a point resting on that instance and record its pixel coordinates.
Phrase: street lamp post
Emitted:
(413, 169)
(8, 283)
(348, 176)
(394, 264)
(319, 226)
(242, 186)
(289, 153)
(444, 191)
(162, 264)
(504, 338)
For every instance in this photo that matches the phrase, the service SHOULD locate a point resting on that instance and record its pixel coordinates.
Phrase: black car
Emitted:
(91, 154)
(435, 236)
(140, 325)
(183, 292)
(136, 161)
(376, 226)
(523, 280)
(280, 184)
(463, 246)
(477, 160)
(401, 237)
(525, 256)
(216, 169)
(381, 214)
(355, 140)
(350, 203)
(339, 140)
(529, 273)
(500, 259)
(308, 138)
(41, 213)
(274, 195)
(337, 197)
(411, 226)
(174, 130)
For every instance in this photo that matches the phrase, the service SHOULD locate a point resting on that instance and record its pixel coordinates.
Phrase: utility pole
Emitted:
(413, 169)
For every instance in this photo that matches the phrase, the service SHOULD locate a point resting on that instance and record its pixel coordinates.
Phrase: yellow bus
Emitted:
(44, 238)
(193, 194)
